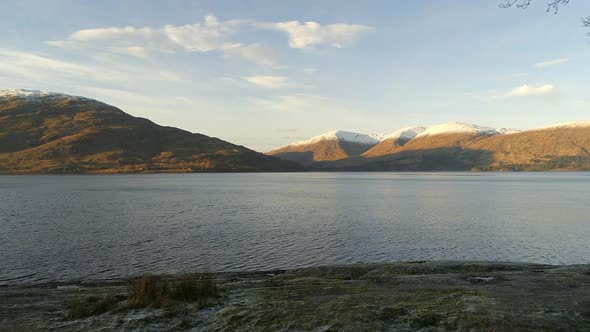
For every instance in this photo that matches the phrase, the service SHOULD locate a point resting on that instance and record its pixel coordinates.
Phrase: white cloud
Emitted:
(272, 82)
(87, 35)
(135, 51)
(253, 52)
(531, 90)
(310, 71)
(550, 63)
(309, 34)
(41, 68)
(292, 103)
(207, 36)
(523, 91)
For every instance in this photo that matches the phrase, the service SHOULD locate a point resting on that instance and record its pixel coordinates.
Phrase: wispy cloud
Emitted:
(210, 35)
(207, 36)
(272, 82)
(532, 90)
(310, 34)
(522, 91)
(43, 68)
(293, 103)
(253, 52)
(549, 63)
(134, 51)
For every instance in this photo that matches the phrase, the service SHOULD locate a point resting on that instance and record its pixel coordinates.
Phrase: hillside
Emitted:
(56, 133)
(460, 147)
(334, 145)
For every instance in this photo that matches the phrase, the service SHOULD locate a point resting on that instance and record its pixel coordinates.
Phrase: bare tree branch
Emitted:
(518, 3)
(553, 6)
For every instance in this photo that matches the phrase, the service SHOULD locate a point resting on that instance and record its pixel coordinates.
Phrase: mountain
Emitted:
(334, 145)
(459, 146)
(396, 140)
(45, 132)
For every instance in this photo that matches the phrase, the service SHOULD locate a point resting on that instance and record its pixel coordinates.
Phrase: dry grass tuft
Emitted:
(153, 291)
(149, 290)
(194, 287)
(92, 306)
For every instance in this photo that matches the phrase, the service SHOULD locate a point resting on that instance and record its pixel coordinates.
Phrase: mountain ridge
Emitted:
(461, 146)
(58, 133)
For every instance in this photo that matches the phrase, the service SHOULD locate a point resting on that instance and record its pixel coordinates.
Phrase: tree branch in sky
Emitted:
(552, 6)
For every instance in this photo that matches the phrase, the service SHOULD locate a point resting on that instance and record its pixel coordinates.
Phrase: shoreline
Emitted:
(406, 296)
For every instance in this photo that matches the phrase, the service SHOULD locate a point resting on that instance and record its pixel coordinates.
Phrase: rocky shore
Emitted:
(411, 296)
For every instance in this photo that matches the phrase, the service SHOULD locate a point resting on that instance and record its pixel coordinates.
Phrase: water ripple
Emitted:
(71, 228)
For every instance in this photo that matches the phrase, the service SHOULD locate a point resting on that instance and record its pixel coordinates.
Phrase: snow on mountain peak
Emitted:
(506, 131)
(569, 124)
(457, 127)
(35, 94)
(341, 135)
(405, 133)
(24, 93)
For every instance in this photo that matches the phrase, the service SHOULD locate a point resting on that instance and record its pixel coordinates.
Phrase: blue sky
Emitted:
(266, 73)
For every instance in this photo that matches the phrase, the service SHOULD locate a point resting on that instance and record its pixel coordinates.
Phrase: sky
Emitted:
(266, 73)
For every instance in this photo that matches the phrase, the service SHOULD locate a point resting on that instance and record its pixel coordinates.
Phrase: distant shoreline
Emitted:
(304, 171)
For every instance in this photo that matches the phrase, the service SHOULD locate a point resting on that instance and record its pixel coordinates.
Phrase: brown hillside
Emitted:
(63, 134)
(324, 150)
(557, 148)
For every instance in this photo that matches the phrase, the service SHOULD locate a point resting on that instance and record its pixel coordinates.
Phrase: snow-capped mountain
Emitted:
(332, 145)
(451, 146)
(36, 95)
(569, 124)
(404, 134)
(460, 128)
(341, 135)
(340, 144)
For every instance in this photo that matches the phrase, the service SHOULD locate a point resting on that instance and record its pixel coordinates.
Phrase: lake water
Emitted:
(92, 227)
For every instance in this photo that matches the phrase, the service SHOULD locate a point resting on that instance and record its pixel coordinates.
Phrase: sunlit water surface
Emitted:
(66, 228)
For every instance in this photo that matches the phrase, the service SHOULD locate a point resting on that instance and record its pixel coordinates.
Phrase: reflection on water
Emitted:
(75, 227)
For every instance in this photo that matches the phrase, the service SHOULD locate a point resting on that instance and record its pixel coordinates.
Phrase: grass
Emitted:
(154, 291)
(194, 287)
(91, 306)
(149, 291)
